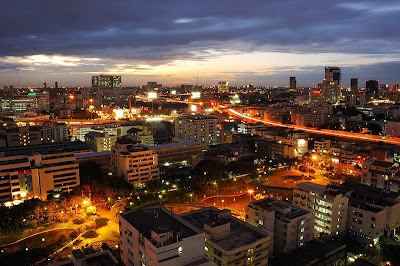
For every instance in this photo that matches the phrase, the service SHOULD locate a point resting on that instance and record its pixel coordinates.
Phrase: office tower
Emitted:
(290, 225)
(331, 91)
(137, 164)
(293, 85)
(229, 240)
(328, 205)
(198, 128)
(372, 88)
(333, 74)
(44, 175)
(45, 85)
(354, 84)
(153, 86)
(56, 85)
(396, 88)
(156, 236)
(383, 90)
(223, 86)
(106, 81)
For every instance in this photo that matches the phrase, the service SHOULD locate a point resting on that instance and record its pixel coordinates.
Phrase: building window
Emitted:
(301, 237)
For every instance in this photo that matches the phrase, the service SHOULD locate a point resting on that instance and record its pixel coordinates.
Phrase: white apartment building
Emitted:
(136, 163)
(37, 175)
(328, 205)
(290, 225)
(381, 174)
(198, 128)
(156, 236)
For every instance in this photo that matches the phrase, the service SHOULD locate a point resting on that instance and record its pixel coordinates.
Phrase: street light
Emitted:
(250, 191)
(191, 198)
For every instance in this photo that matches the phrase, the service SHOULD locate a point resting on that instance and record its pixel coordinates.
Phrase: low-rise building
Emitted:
(143, 136)
(136, 163)
(327, 203)
(100, 141)
(322, 146)
(290, 225)
(373, 212)
(314, 253)
(60, 132)
(180, 151)
(37, 175)
(156, 236)
(274, 149)
(230, 241)
(381, 174)
(23, 136)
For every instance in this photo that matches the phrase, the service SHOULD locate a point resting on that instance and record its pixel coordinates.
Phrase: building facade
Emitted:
(198, 128)
(156, 236)
(290, 225)
(328, 205)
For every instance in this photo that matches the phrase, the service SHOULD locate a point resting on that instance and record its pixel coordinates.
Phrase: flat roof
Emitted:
(92, 154)
(159, 220)
(382, 164)
(309, 254)
(273, 204)
(241, 234)
(173, 145)
(320, 189)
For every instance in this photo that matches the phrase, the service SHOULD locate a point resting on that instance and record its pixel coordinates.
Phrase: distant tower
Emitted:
(56, 85)
(354, 84)
(333, 74)
(45, 85)
(372, 88)
(293, 85)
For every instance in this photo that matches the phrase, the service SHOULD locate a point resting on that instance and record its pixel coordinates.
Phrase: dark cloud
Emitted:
(158, 31)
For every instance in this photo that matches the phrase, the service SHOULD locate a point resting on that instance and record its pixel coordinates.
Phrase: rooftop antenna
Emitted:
(17, 69)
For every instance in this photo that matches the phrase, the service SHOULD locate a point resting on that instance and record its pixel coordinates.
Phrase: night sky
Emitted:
(261, 42)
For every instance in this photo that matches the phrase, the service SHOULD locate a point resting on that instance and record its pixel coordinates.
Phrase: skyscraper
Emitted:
(56, 85)
(372, 88)
(333, 74)
(107, 81)
(354, 84)
(331, 91)
(293, 85)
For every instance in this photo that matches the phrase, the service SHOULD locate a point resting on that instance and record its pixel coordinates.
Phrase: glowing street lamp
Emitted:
(191, 198)
(314, 157)
(250, 191)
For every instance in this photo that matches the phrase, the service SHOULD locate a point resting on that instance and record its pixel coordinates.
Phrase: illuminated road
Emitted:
(335, 133)
(329, 132)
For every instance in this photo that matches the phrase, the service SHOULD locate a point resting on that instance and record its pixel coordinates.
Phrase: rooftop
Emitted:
(197, 117)
(311, 253)
(241, 233)
(179, 144)
(320, 189)
(103, 258)
(92, 154)
(384, 164)
(159, 220)
(288, 210)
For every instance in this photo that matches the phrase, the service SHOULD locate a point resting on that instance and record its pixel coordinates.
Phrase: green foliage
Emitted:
(101, 222)
(390, 253)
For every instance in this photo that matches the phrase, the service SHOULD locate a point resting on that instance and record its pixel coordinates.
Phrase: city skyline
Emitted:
(263, 43)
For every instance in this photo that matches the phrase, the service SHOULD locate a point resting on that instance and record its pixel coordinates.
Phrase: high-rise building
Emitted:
(328, 205)
(290, 225)
(396, 88)
(229, 240)
(293, 85)
(354, 84)
(331, 91)
(56, 85)
(156, 236)
(137, 164)
(198, 128)
(372, 88)
(333, 74)
(108, 81)
(223, 86)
